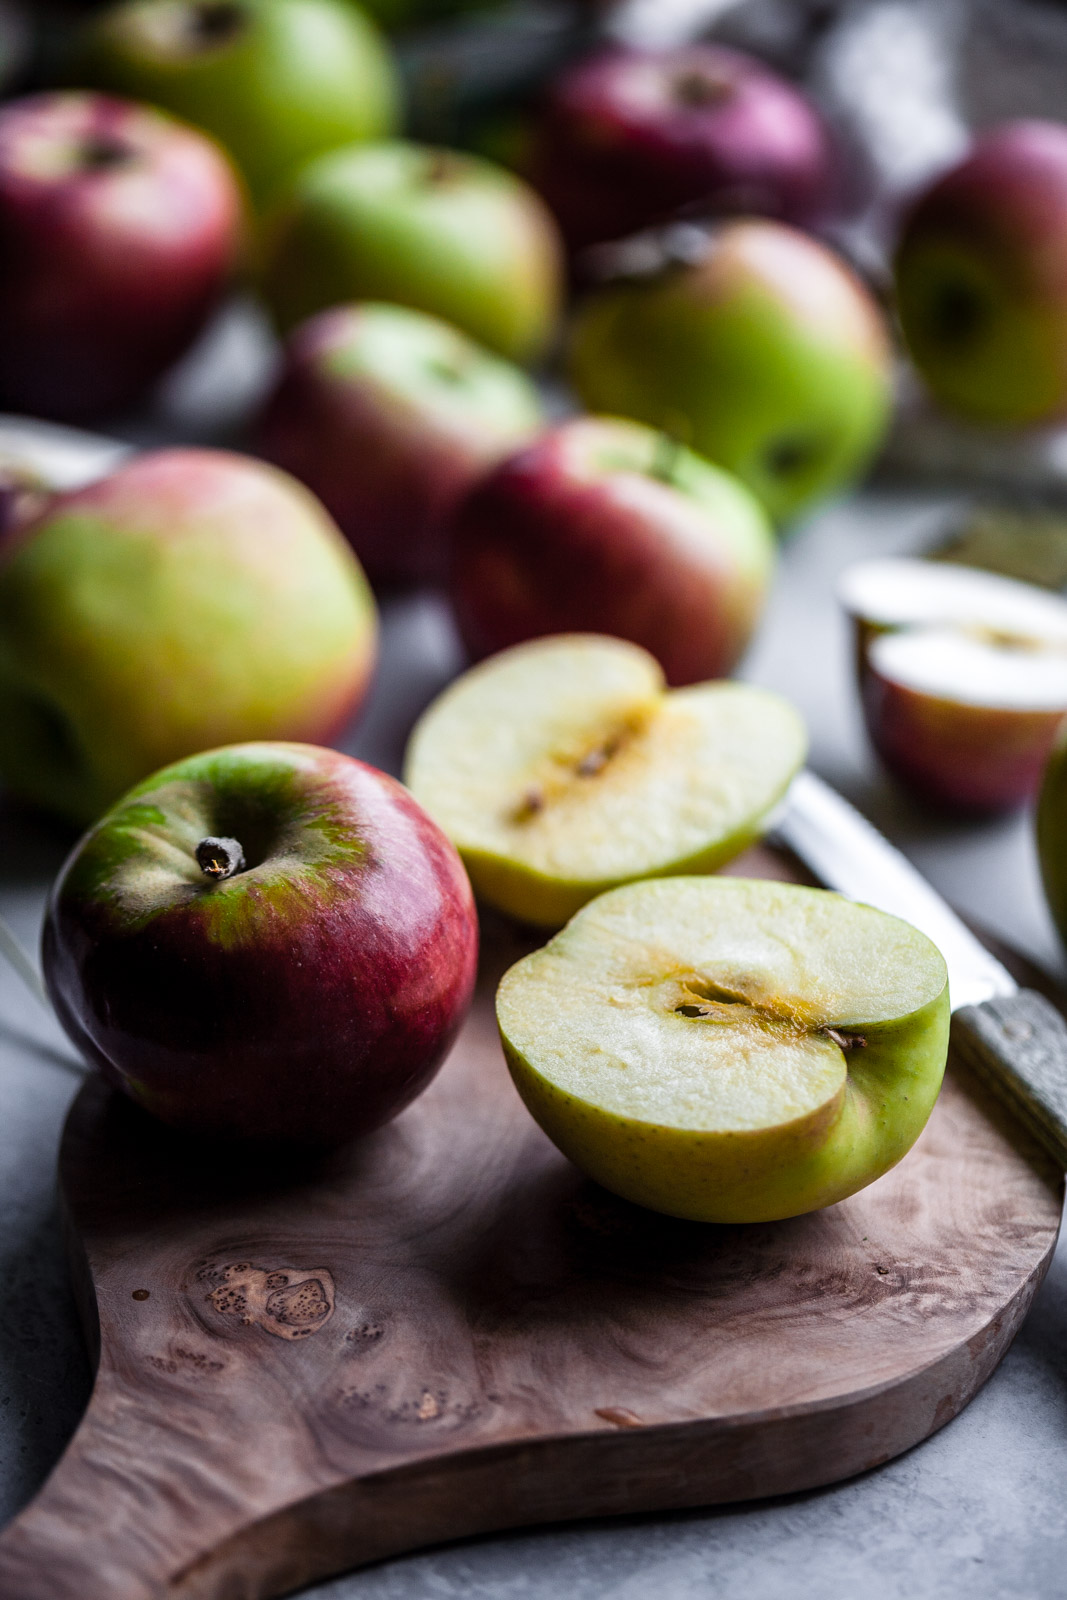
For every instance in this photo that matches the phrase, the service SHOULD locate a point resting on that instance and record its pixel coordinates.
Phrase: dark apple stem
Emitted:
(219, 858)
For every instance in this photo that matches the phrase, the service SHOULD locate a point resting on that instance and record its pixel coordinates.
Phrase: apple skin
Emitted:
(767, 355)
(305, 1000)
(980, 760)
(576, 533)
(119, 231)
(438, 230)
(275, 81)
(624, 139)
(390, 416)
(981, 277)
(191, 598)
(1051, 822)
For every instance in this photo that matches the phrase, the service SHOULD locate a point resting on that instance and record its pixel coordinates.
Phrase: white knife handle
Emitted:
(1017, 1045)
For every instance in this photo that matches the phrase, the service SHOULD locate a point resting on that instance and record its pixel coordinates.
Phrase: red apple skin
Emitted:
(119, 231)
(304, 1001)
(628, 138)
(981, 275)
(975, 760)
(389, 469)
(550, 543)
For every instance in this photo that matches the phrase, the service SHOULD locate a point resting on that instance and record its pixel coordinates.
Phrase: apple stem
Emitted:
(219, 858)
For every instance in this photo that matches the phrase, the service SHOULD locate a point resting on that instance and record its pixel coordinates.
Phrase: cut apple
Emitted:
(729, 1050)
(963, 676)
(563, 767)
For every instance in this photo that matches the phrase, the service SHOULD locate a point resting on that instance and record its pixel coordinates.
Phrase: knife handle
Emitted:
(1017, 1045)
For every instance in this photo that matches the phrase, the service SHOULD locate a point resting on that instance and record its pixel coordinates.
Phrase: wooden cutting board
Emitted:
(445, 1329)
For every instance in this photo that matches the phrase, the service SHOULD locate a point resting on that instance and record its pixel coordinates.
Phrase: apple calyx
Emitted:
(219, 858)
(104, 152)
(699, 90)
(211, 23)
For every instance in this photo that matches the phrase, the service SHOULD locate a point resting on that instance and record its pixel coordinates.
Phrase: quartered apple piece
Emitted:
(729, 1050)
(564, 767)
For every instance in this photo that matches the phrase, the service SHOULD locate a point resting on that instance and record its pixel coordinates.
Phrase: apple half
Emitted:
(729, 1050)
(963, 676)
(564, 767)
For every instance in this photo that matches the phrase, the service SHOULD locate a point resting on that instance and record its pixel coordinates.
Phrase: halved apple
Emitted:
(963, 676)
(563, 767)
(729, 1050)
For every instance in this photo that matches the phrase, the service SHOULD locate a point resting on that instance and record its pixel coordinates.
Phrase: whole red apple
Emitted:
(390, 416)
(602, 525)
(267, 941)
(627, 138)
(119, 230)
(981, 277)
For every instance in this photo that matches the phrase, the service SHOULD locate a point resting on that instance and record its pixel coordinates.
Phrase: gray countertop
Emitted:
(979, 1508)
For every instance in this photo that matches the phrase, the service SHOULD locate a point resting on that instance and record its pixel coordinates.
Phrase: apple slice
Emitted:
(563, 767)
(963, 676)
(729, 1050)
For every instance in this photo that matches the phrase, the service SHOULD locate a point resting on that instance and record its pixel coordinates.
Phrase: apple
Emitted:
(268, 941)
(564, 767)
(764, 353)
(981, 277)
(276, 81)
(1051, 821)
(438, 230)
(603, 524)
(963, 677)
(390, 416)
(189, 599)
(727, 1050)
(119, 231)
(625, 138)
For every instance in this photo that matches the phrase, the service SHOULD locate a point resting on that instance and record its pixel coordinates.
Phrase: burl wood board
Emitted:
(445, 1329)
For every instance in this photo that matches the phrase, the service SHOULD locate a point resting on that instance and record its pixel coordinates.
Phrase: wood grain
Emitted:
(446, 1330)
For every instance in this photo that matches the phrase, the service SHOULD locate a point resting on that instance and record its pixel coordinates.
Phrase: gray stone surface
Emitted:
(979, 1509)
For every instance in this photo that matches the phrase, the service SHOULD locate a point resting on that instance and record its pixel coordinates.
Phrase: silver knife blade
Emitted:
(847, 853)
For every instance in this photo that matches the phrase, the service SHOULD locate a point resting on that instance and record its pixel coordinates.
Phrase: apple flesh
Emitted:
(963, 678)
(390, 416)
(438, 230)
(562, 768)
(275, 81)
(191, 598)
(729, 1051)
(267, 942)
(624, 139)
(120, 230)
(766, 354)
(981, 277)
(603, 524)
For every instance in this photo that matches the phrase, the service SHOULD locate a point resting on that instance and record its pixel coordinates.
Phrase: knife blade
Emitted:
(1013, 1039)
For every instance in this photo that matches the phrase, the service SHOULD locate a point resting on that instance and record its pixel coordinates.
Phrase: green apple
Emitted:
(276, 81)
(191, 599)
(766, 354)
(563, 767)
(437, 230)
(729, 1050)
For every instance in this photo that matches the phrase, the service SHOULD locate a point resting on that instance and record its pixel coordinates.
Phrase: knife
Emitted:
(1014, 1039)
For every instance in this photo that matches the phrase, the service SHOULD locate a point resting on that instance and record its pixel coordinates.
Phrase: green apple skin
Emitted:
(191, 599)
(276, 81)
(768, 356)
(762, 1175)
(1051, 820)
(437, 230)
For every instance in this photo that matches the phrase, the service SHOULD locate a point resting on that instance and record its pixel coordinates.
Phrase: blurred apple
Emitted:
(437, 230)
(981, 277)
(269, 942)
(390, 416)
(602, 525)
(626, 138)
(277, 81)
(963, 676)
(764, 353)
(119, 231)
(190, 599)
